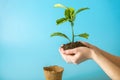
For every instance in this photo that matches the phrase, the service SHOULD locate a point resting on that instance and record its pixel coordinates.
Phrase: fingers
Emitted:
(62, 53)
(69, 58)
(70, 51)
(66, 57)
(78, 58)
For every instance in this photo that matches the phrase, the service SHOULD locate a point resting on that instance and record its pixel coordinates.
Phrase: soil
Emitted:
(54, 68)
(72, 45)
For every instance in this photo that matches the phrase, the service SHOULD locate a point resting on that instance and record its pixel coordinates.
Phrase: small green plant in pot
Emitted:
(69, 16)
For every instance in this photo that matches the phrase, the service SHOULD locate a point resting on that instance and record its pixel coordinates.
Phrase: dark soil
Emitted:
(72, 45)
(54, 68)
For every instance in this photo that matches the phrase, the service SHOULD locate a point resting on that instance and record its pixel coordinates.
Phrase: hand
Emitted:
(109, 63)
(78, 54)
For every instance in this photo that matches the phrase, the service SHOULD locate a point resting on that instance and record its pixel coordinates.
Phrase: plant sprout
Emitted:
(69, 16)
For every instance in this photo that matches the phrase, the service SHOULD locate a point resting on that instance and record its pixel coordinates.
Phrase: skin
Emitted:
(109, 63)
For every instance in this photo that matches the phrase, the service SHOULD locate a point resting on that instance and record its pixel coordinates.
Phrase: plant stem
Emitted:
(72, 27)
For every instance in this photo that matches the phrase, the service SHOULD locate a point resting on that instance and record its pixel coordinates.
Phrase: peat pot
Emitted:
(53, 72)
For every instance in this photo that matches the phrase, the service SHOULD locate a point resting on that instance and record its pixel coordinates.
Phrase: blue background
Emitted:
(26, 46)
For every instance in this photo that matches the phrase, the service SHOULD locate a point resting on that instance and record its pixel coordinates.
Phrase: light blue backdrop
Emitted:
(26, 46)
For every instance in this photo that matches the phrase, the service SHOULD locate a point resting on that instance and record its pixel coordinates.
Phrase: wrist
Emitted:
(95, 53)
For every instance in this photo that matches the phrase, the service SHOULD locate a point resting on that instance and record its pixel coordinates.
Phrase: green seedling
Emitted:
(70, 15)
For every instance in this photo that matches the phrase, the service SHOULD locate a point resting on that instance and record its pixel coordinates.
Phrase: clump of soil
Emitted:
(72, 45)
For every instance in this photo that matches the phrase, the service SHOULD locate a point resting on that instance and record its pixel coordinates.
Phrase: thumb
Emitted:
(88, 45)
(70, 51)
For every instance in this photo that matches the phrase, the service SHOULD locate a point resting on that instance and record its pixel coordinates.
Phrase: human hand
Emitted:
(78, 54)
(109, 63)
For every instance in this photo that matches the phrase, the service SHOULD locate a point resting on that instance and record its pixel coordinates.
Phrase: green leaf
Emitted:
(61, 20)
(84, 35)
(70, 14)
(67, 13)
(81, 9)
(60, 6)
(60, 34)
